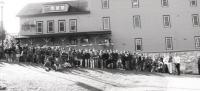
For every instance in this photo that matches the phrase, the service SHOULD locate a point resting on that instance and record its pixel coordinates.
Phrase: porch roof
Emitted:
(74, 34)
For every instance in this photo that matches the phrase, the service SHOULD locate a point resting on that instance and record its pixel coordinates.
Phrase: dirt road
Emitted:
(24, 77)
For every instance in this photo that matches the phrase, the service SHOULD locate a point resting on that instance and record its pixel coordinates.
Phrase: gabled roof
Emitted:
(35, 9)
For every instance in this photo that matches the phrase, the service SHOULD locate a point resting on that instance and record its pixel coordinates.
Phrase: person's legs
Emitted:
(6, 57)
(17, 57)
(102, 63)
(92, 63)
(9, 58)
(199, 68)
(178, 68)
(86, 62)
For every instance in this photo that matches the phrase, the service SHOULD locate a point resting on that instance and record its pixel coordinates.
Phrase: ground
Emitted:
(26, 77)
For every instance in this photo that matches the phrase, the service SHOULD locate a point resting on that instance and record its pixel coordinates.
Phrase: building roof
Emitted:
(35, 9)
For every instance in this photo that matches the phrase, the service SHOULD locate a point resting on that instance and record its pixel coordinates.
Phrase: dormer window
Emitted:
(56, 8)
(62, 7)
(52, 8)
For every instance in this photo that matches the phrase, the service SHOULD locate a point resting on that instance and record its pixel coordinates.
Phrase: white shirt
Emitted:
(177, 59)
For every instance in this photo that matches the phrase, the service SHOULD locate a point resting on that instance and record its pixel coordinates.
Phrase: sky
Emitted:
(11, 9)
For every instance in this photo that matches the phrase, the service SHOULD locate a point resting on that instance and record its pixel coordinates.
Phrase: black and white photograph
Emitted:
(99, 45)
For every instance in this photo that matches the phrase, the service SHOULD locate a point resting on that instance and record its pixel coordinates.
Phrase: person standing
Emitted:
(199, 65)
(18, 53)
(1, 52)
(170, 65)
(6, 51)
(177, 60)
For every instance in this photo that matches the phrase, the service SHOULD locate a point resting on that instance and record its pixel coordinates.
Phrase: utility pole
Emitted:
(2, 29)
(2, 25)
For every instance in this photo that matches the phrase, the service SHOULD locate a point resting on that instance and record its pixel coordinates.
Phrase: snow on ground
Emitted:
(26, 77)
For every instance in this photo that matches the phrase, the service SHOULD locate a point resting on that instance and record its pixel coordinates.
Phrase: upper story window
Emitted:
(135, 3)
(39, 25)
(193, 3)
(61, 25)
(72, 25)
(28, 25)
(168, 43)
(136, 21)
(106, 23)
(52, 8)
(138, 44)
(166, 21)
(164, 3)
(195, 20)
(62, 7)
(197, 42)
(105, 4)
(50, 26)
(57, 7)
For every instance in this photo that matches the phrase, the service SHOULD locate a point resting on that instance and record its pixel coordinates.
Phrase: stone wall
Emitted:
(189, 60)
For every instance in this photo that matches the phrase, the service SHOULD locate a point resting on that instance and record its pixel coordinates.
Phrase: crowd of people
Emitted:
(57, 58)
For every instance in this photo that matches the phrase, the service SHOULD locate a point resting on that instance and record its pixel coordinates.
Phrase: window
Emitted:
(166, 21)
(195, 20)
(39, 25)
(62, 7)
(73, 41)
(61, 25)
(106, 23)
(164, 3)
(197, 42)
(57, 7)
(135, 3)
(136, 21)
(73, 25)
(138, 44)
(193, 3)
(52, 8)
(105, 4)
(168, 43)
(50, 26)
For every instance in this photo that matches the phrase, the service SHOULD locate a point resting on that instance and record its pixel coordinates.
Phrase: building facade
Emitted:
(134, 25)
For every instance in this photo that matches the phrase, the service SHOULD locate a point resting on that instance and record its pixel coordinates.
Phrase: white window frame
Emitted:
(52, 8)
(197, 42)
(62, 7)
(59, 23)
(193, 5)
(71, 21)
(163, 3)
(105, 6)
(138, 42)
(168, 40)
(57, 8)
(165, 25)
(48, 27)
(135, 3)
(193, 21)
(106, 23)
(135, 25)
(37, 27)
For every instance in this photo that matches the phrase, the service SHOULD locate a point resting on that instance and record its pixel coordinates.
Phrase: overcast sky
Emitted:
(11, 8)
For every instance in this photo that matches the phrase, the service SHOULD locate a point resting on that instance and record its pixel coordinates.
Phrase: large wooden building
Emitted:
(134, 25)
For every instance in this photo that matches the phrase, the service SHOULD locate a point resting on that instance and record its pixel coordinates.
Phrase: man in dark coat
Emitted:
(199, 65)
(1, 52)
(105, 57)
